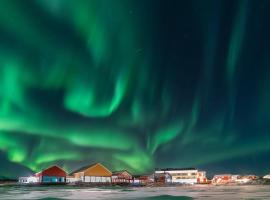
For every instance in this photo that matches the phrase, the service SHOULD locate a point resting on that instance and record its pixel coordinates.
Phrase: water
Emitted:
(144, 193)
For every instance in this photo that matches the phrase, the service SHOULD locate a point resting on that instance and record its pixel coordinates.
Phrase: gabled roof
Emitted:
(54, 169)
(52, 166)
(115, 173)
(82, 169)
(88, 167)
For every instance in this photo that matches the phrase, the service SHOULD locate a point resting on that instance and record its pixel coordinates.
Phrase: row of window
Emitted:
(53, 179)
(96, 179)
(183, 174)
(185, 177)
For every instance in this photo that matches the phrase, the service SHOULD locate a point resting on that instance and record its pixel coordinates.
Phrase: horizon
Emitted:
(209, 174)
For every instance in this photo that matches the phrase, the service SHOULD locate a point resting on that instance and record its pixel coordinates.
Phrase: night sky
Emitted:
(135, 84)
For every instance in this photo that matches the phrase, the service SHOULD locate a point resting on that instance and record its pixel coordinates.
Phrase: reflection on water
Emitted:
(145, 193)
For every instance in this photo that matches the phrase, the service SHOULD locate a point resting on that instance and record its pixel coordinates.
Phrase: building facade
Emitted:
(178, 175)
(28, 180)
(53, 174)
(222, 179)
(201, 177)
(143, 180)
(119, 177)
(95, 173)
(267, 176)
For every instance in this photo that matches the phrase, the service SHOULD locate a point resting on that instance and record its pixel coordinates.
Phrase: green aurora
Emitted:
(134, 84)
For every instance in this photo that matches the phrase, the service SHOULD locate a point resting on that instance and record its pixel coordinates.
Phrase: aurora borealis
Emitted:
(135, 84)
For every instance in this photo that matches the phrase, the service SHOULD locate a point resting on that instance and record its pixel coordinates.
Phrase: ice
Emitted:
(140, 193)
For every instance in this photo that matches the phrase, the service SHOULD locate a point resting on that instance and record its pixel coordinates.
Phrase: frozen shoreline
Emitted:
(183, 192)
(12, 183)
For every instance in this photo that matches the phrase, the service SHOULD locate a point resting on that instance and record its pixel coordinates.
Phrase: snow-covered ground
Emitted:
(147, 193)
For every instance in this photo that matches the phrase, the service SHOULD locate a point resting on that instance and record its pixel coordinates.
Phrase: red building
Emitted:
(143, 180)
(121, 177)
(201, 177)
(53, 174)
(222, 179)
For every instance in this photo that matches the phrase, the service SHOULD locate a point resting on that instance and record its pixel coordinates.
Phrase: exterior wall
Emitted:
(53, 179)
(201, 177)
(142, 180)
(23, 180)
(222, 179)
(235, 177)
(121, 180)
(122, 177)
(161, 179)
(78, 175)
(145, 180)
(97, 179)
(180, 176)
(52, 174)
(267, 176)
(27, 180)
(184, 181)
(72, 179)
(94, 174)
(137, 182)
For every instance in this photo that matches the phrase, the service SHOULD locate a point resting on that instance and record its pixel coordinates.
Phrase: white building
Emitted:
(27, 180)
(71, 179)
(179, 175)
(267, 176)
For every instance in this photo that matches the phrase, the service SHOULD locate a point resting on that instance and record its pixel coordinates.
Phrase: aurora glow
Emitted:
(135, 84)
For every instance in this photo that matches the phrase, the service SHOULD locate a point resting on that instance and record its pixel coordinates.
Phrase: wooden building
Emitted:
(95, 173)
(122, 177)
(52, 175)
